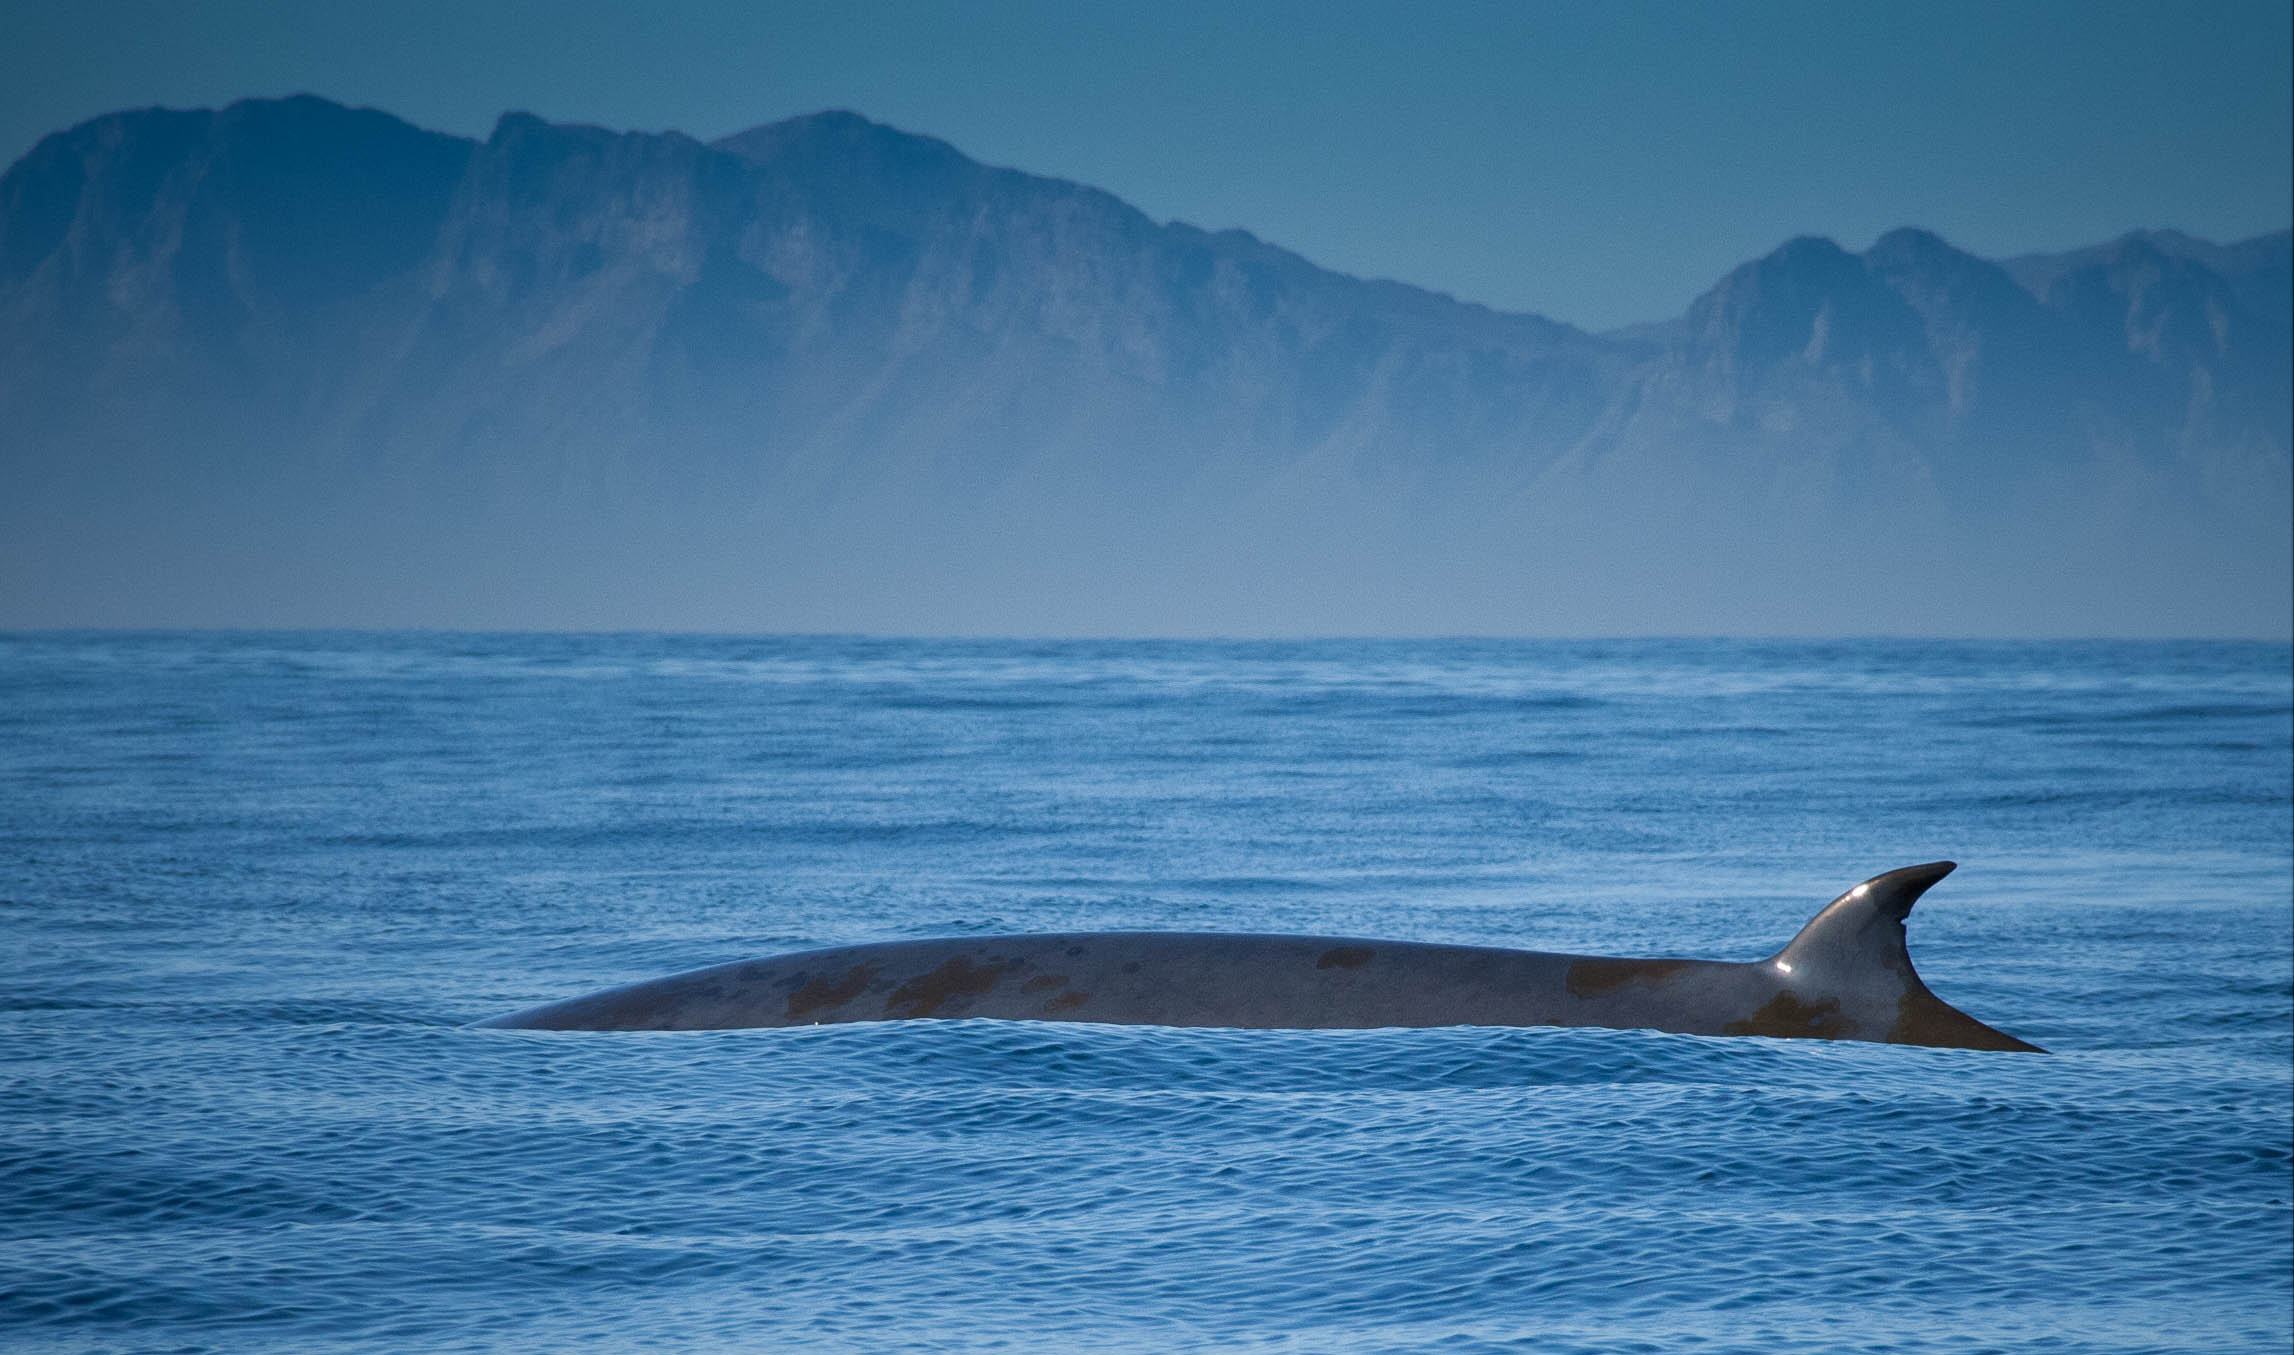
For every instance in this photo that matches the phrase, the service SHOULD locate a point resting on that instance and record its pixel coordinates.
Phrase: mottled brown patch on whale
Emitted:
(827, 992)
(1787, 1017)
(1924, 1018)
(1066, 1002)
(1344, 957)
(1044, 983)
(926, 994)
(1593, 977)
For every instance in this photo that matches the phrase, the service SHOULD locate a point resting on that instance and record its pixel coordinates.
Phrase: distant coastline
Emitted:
(290, 363)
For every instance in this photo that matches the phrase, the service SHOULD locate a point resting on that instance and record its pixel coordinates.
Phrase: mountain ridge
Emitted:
(2033, 269)
(917, 376)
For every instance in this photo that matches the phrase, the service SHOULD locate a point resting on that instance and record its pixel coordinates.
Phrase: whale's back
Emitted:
(1845, 976)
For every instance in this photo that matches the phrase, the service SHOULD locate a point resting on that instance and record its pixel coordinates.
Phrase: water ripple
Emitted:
(256, 886)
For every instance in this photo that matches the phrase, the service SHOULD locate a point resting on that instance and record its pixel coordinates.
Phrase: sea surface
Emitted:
(254, 887)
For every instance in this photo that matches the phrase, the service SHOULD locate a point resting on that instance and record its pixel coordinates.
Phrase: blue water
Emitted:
(252, 887)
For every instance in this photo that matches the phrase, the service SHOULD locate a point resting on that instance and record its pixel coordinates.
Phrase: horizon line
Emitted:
(1157, 637)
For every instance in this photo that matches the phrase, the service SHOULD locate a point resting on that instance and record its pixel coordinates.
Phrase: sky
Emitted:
(1598, 163)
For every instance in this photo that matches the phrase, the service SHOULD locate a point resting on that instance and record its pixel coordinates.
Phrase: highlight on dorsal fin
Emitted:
(1856, 944)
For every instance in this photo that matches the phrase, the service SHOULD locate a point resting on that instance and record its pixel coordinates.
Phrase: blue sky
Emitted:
(1598, 163)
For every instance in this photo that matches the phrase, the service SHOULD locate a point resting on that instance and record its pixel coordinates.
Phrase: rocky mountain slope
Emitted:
(292, 363)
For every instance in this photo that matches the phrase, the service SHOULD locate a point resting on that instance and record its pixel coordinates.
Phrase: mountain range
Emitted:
(292, 363)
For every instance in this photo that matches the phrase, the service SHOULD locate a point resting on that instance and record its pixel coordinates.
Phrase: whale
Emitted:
(1847, 975)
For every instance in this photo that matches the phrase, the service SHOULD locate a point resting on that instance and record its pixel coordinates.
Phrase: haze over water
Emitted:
(253, 887)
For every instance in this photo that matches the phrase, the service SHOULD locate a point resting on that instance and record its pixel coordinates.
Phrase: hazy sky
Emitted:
(1598, 163)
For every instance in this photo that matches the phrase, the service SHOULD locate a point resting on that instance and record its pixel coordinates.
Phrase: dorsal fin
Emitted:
(1863, 928)
(1856, 944)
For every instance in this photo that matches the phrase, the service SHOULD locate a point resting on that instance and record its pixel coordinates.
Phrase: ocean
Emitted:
(254, 887)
